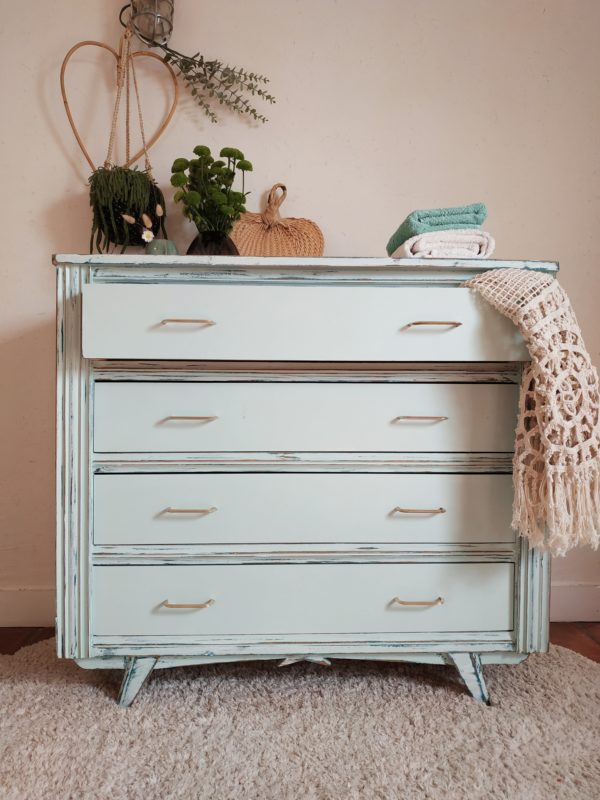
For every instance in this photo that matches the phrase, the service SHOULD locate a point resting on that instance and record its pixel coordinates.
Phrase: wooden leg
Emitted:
(469, 667)
(136, 672)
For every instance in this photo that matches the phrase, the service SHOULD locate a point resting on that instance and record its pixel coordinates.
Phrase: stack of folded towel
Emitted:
(443, 233)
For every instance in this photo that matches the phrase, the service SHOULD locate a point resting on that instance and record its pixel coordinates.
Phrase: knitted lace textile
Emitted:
(556, 465)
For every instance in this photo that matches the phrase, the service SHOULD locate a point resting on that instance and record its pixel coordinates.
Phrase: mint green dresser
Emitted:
(288, 459)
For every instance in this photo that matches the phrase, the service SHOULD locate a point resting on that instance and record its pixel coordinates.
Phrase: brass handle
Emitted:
(166, 604)
(184, 321)
(171, 510)
(439, 601)
(191, 419)
(445, 323)
(428, 419)
(400, 510)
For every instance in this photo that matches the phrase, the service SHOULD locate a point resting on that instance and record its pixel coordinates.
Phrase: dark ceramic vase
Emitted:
(212, 243)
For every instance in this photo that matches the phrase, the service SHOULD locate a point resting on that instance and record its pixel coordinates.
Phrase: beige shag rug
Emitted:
(354, 731)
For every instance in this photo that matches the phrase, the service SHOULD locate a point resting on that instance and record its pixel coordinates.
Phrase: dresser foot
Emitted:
(137, 671)
(469, 667)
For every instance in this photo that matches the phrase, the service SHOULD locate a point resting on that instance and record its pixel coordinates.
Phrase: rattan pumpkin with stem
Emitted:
(269, 234)
(205, 188)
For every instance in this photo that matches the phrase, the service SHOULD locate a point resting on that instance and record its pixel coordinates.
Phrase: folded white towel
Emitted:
(458, 243)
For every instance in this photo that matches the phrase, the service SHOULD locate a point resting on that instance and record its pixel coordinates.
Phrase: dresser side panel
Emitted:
(72, 468)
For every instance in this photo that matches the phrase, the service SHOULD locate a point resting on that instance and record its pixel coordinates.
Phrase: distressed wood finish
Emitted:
(80, 559)
(73, 433)
(307, 553)
(137, 672)
(302, 372)
(292, 271)
(469, 668)
(344, 645)
(115, 463)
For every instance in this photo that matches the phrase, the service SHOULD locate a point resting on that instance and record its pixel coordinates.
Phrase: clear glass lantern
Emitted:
(153, 20)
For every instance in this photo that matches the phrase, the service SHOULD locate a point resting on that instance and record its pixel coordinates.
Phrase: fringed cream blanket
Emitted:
(556, 467)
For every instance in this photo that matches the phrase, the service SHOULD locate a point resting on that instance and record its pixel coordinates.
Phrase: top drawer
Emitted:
(294, 323)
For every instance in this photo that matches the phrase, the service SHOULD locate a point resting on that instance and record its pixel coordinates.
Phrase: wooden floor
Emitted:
(583, 637)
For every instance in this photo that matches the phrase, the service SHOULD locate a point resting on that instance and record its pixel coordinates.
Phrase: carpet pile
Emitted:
(250, 731)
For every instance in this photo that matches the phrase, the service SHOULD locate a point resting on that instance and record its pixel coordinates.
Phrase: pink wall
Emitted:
(383, 107)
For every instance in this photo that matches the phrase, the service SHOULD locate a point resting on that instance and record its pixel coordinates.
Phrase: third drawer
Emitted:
(337, 417)
(301, 508)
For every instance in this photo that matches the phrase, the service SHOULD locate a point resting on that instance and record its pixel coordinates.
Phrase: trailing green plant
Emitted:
(205, 188)
(128, 208)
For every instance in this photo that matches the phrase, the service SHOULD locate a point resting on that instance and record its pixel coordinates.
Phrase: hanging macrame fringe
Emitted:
(556, 465)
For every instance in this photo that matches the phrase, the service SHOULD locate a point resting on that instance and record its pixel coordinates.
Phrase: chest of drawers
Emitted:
(288, 459)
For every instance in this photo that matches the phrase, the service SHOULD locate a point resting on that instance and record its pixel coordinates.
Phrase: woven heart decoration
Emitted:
(128, 207)
(137, 54)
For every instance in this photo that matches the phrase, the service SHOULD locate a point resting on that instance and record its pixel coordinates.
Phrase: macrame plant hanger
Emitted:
(128, 206)
(126, 71)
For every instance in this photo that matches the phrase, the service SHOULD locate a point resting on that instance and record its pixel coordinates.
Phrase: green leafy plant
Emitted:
(205, 188)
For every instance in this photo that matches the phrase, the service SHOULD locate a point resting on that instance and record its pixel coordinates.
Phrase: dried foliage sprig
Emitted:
(211, 81)
(214, 82)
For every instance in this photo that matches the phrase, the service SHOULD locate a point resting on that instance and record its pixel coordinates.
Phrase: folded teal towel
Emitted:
(437, 219)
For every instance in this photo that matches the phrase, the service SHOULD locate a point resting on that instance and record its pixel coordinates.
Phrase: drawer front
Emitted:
(301, 508)
(291, 323)
(302, 599)
(187, 417)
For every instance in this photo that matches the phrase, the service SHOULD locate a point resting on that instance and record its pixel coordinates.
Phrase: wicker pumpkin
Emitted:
(270, 234)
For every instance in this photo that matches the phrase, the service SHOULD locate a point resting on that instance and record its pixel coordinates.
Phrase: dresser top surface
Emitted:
(292, 271)
(334, 263)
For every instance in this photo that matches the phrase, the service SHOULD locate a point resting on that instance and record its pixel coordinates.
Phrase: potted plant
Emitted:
(127, 207)
(205, 189)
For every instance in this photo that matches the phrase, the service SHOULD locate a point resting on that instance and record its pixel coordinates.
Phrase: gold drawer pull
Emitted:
(187, 418)
(425, 419)
(166, 604)
(439, 601)
(445, 323)
(400, 510)
(183, 321)
(171, 510)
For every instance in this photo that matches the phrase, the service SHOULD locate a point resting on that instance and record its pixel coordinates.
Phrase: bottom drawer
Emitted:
(301, 599)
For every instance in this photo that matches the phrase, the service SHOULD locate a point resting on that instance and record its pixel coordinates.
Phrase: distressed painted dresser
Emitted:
(288, 459)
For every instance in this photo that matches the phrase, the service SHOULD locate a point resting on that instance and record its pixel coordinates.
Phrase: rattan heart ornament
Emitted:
(137, 54)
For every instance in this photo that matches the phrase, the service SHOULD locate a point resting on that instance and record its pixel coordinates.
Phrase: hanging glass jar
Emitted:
(152, 20)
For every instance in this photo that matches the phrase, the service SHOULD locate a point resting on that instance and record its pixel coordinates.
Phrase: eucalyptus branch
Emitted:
(210, 81)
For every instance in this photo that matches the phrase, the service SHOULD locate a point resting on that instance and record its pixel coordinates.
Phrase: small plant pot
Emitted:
(161, 247)
(212, 243)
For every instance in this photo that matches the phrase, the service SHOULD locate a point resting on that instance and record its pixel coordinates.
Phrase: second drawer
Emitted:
(338, 417)
(301, 508)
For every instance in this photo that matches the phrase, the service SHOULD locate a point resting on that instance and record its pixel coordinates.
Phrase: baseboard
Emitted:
(574, 602)
(29, 606)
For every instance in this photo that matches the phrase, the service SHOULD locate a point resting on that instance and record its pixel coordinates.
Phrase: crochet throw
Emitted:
(556, 466)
